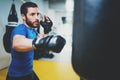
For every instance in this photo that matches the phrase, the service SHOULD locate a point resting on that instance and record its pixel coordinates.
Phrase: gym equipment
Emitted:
(96, 41)
(53, 43)
(12, 23)
(42, 54)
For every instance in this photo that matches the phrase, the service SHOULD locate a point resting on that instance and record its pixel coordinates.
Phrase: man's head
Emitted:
(30, 14)
(25, 6)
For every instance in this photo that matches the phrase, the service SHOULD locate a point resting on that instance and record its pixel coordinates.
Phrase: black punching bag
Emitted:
(12, 22)
(96, 39)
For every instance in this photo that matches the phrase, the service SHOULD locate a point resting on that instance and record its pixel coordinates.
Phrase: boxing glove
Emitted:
(50, 43)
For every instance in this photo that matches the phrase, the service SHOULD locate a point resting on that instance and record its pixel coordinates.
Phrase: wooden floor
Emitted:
(50, 70)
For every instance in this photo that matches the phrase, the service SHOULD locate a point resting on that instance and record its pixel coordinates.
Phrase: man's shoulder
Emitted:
(20, 26)
(20, 29)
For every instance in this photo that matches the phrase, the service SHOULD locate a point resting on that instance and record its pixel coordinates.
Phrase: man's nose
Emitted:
(37, 17)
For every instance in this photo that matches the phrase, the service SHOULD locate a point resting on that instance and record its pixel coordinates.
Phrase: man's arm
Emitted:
(21, 43)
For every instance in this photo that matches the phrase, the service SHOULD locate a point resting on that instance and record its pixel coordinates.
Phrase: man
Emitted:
(22, 37)
(25, 39)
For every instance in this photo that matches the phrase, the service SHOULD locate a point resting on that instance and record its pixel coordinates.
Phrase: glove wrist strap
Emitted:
(33, 43)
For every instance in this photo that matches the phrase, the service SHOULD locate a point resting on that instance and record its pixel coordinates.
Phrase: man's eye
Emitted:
(32, 14)
(38, 14)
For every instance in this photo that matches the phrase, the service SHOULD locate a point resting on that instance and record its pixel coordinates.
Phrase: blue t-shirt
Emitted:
(22, 62)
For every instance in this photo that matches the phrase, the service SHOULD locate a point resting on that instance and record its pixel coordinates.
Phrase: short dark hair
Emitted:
(25, 5)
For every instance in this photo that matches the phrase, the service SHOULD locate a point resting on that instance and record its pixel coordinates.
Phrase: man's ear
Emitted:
(23, 16)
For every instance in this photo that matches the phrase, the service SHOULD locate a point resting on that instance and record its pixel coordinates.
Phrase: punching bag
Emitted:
(12, 22)
(96, 40)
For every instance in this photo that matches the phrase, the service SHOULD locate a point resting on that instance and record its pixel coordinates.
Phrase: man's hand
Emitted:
(46, 24)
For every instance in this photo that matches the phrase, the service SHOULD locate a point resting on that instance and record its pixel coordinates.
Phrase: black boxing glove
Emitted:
(50, 43)
(56, 43)
(46, 24)
(40, 43)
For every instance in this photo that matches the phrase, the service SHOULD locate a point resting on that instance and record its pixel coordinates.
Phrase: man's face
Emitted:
(32, 17)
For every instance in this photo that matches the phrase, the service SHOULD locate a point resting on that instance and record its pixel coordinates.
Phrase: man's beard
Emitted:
(30, 24)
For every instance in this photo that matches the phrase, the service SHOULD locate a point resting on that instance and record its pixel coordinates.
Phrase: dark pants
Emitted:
(31, 76)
